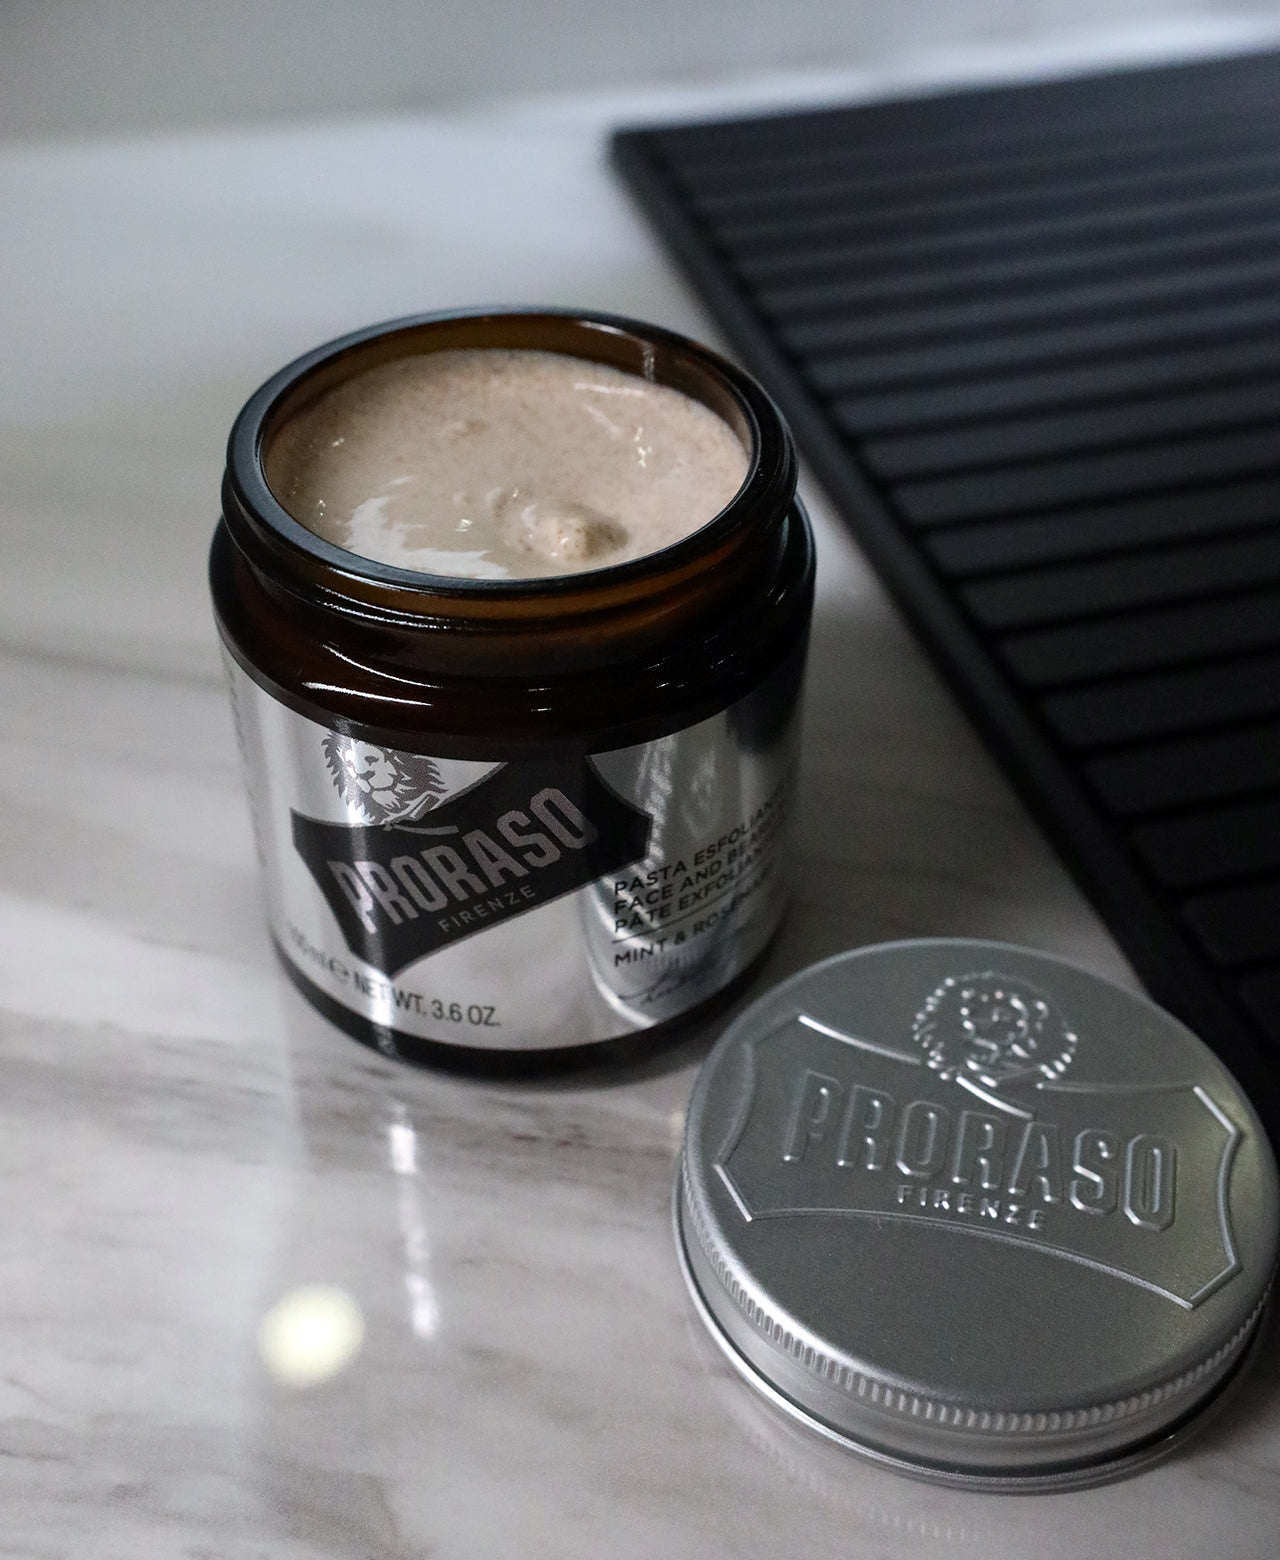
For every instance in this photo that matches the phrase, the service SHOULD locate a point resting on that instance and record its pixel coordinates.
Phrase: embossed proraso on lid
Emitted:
(977, 1212)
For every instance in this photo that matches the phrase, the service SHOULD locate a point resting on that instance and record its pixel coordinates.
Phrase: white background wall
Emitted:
(74, 67)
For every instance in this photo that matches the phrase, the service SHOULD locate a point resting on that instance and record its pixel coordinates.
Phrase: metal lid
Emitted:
(976, 1212)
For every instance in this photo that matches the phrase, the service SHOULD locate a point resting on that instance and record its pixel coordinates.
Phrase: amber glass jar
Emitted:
(518, 815)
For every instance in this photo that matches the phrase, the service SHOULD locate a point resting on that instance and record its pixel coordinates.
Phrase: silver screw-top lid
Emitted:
(977, 1212)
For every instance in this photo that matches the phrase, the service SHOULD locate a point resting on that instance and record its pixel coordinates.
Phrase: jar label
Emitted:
(533, 904)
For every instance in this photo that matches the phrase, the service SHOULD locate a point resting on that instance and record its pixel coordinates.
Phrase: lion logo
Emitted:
(382, 785)
(992, 1029)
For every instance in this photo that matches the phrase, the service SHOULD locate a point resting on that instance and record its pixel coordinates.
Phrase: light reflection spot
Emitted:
(311, 1335)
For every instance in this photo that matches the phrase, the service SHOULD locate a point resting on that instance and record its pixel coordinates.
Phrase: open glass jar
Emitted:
(518, 815)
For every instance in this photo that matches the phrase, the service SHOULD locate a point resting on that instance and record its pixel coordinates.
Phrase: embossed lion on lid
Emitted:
(992, 1029)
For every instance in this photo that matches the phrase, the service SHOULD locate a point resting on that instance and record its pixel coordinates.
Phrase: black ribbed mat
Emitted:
(1029, 339)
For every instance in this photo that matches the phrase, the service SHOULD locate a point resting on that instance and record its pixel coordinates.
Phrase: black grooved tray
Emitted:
(1029, 339)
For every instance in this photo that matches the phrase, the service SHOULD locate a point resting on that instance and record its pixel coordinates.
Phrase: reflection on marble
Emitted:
(185, 1144)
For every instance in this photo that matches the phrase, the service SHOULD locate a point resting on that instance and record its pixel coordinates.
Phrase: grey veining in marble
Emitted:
(184, 1144)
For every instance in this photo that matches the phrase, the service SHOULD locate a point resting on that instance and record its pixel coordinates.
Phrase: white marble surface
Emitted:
(184, 1144)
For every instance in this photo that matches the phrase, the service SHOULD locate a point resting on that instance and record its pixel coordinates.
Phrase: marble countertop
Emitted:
(514, 1367)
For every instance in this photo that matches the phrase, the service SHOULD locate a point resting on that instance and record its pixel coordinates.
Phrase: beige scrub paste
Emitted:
(504, 464)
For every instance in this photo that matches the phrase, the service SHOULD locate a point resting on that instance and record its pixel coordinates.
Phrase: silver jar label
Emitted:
(534, 904)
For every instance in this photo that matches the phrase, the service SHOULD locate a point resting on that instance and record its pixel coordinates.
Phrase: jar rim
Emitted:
(769, 483)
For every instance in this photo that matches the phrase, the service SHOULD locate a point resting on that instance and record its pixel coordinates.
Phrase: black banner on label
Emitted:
(523, 836)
